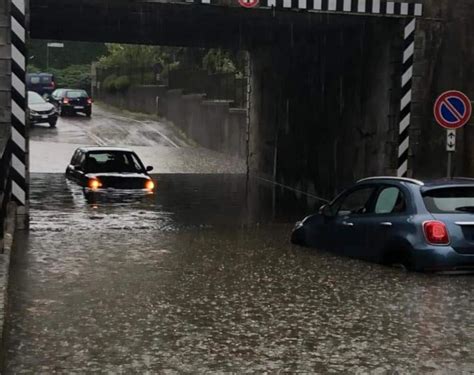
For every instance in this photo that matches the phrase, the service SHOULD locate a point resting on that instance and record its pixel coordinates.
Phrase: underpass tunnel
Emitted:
(323, 87)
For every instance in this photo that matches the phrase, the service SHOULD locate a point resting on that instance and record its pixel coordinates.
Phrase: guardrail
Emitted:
(5, 189)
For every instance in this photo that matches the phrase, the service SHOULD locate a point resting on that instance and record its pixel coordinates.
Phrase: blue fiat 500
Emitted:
(421, 225)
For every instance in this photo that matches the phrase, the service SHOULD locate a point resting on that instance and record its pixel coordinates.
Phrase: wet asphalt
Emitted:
(201, 278)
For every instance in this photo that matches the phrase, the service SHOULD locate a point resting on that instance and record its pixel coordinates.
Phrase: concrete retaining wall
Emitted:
(210, 123)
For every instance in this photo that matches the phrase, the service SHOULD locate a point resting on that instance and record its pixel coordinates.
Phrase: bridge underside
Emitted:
(177, 24)
(323, 103)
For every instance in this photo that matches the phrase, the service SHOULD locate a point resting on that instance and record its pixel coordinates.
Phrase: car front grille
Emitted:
(123, 183)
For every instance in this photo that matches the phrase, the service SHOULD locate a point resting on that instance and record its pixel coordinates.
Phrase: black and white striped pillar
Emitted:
(406, 97)
(18, 141)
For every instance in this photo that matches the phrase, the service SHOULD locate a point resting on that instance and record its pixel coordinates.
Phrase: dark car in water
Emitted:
(102, 168)
(420, 225)
(72, 101)
(40, 111)
(41, 83)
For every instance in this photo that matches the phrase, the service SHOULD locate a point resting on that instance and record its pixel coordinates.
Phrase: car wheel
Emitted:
(399, 259)
(52, 123)
(88, 113)
(60, 111)
(298, 237)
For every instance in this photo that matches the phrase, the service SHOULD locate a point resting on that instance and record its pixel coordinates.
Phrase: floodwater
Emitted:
(201, 277)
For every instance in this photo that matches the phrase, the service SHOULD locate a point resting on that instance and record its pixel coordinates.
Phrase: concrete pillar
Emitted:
(5, 81)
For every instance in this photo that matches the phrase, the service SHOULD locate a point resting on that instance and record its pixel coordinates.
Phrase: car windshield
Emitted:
(112, 161)
(450, 200)
(76, 94)
(35, 98)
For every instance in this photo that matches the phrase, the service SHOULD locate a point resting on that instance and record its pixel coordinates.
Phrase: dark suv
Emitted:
(69, 101)
(42, 83)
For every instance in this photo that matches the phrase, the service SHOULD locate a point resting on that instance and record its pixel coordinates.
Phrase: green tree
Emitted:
(73, 53)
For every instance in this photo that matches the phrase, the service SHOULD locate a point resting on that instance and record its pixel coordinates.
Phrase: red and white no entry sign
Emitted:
(248, 3)
(452, 109)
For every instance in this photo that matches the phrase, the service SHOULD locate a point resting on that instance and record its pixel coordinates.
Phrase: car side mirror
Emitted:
(46, 97)
(77, 168)
(325, 210)
(149, 168)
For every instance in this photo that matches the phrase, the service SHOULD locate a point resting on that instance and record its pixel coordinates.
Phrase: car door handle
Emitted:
(347, 224)
(386, 224)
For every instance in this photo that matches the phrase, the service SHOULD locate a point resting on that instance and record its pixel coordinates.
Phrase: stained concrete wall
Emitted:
(323, 110)
(444, 60)
(5, 101)
(210, 123)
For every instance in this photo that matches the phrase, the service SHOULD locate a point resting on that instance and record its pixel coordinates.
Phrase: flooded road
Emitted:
(158, 143)
(201, 277)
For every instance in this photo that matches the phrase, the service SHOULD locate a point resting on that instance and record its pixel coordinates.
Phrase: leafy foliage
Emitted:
(219, 61)
(73, 53)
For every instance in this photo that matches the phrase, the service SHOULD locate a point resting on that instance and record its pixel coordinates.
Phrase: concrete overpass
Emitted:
(339, 89)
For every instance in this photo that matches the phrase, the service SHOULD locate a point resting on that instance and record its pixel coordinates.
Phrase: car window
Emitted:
(136, 162)
(76, 158)
(76, 94)
(110, 161)
(82, 159)
(450, 200)
(390, 200)
(356, 202)
(46, 79)
(35, 98)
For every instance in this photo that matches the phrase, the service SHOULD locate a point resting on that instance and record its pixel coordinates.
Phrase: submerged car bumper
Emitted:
(442, 258)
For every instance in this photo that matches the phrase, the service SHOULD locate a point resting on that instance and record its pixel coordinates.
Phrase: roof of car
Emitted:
(104, 148)
(391, 178)
(425, 184)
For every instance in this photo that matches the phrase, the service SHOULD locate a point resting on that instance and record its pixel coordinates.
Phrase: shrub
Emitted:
(122, 83)
(109, 83)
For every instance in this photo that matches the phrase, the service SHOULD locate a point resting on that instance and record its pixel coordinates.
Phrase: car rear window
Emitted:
(46, 79)
(34, 80)
(76, 94)
(450, 200)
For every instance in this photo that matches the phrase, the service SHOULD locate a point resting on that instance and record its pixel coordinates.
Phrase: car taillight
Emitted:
(65, 101)
(89, 101)
(94, 183)
(436, 232)
(149, 185)
(53, 85)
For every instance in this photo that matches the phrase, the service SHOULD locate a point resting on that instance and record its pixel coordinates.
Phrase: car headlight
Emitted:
(33, 112)
(94, 183)
(149, 185)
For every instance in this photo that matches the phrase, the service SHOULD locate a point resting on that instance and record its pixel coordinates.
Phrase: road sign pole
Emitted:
(450, 148)
(452, 110)
(450, 161)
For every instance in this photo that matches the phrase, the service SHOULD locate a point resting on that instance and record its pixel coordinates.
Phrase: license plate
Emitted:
(44, 116)
(78, 107)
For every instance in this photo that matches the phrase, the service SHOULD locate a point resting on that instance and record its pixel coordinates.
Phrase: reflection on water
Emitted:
(201, 277)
